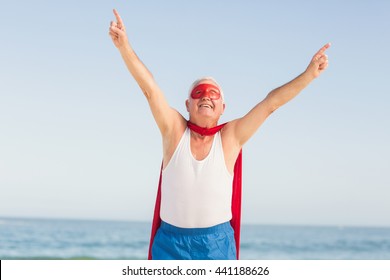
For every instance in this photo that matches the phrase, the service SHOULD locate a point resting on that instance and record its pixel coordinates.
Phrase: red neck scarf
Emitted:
(204, 131)
(236, 196)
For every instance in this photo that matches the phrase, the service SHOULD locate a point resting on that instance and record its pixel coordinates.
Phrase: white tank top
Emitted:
(196, 193)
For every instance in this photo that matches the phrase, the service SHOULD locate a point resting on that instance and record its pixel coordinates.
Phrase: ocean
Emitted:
(47, 239)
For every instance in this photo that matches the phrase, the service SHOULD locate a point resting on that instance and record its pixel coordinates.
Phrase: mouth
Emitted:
(205, 106)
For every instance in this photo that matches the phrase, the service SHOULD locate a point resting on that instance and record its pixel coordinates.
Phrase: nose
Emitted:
(205, 97)
(206, 94)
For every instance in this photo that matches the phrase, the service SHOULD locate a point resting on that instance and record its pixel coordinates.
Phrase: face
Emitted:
(205, 100)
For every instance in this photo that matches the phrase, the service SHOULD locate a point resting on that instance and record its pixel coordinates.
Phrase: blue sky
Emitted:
(77, 139)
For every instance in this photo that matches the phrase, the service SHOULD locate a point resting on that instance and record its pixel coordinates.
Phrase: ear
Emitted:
(223, 108)
(188, 105)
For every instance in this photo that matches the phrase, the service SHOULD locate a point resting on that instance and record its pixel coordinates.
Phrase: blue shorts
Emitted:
(213, 243)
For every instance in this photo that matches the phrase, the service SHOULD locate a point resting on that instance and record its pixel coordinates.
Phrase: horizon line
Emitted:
(85, 219)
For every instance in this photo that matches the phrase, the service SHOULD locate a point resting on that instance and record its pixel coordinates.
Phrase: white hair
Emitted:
(194, 84)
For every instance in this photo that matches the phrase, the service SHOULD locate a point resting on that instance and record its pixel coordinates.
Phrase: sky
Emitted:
(77, 139)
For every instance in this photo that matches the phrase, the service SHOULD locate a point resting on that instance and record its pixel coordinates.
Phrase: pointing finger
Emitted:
(320, 53)
(118, 18)
(323, 49)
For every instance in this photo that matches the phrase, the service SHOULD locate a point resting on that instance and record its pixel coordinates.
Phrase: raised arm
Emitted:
(246, 126)
(163, 114)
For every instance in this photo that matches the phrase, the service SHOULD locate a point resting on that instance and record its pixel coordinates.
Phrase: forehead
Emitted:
(210, 82)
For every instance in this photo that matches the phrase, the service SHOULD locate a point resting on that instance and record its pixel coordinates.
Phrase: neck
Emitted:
(204, 123)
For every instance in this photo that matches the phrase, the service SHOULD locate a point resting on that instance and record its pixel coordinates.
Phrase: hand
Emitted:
(318, 63)
(117, 31)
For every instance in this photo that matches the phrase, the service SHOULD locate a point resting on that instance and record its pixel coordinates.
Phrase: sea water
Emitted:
(121, 240)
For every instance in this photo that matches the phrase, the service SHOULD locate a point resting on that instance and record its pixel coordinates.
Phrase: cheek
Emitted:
(190, 105)
(220, 105)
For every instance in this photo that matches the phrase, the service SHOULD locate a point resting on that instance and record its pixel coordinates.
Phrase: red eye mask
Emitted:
(206, 90)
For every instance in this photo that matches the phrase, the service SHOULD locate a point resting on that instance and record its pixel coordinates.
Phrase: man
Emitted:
(199, 161)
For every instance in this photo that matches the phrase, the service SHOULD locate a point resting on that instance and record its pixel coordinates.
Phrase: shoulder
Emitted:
(176, 127)
(228, 135)
(172, 136)
(228, 129)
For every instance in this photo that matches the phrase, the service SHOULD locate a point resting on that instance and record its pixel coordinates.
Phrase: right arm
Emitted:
(246, 126)
(165, 117)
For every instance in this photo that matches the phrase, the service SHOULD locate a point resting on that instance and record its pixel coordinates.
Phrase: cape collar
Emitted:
(204, 131)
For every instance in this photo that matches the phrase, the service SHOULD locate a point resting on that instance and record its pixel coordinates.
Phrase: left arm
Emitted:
(243, 128)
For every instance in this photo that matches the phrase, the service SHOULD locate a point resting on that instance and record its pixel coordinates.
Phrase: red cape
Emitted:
(236, 196)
